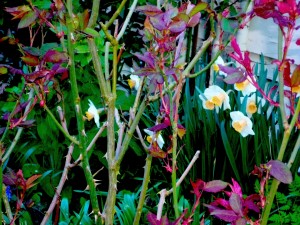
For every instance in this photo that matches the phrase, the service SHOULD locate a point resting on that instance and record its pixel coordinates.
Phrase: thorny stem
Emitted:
(79, 117)
(98, 69)
(146, 180)
(163, 193)
(275, 182)
(59, 188)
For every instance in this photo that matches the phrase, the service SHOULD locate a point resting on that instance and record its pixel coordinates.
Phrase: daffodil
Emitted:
(93, 113)
(134, 81)
(158, 138)
(253, 104)
(241, 123)
(216, 68)
(214, 97)
(245, 87)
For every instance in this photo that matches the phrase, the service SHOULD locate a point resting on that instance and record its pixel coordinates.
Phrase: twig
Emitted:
(60, 185)
(62, 118)
(128, 17)
(91, 144)
(164, 193)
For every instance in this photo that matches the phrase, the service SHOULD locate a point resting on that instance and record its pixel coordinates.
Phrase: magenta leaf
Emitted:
(153, 220)
(224, 214)
(236, 188)
(249, 202)
(236, 204)
(215, 186)
(197, 187)
(280, 171)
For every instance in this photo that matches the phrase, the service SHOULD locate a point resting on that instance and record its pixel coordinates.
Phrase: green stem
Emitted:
(294, 153)
(146, 181)
(79, 116)
(94, 14)
(116, 14)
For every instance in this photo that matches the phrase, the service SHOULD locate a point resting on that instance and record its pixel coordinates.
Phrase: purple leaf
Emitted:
(177, 27)
(236, 204)
(280, 171)
(147, 57)
(234, 75)
(158, 127)
(158, 22)
(149, 10)
(224, 214)
(215, 186)
(194, 20)
(241, 221)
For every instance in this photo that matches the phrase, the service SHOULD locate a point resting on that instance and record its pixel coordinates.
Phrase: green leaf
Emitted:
(229, 152)
(198, 8)
(30, 169)
(91, 32)
(229, 25)
(124, 100)
(80, 49)
(27, 20)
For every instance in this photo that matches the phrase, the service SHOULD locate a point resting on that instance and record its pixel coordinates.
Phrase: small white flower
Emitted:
(245, 87)
(219, 61)
(253, 104)
(160, 141)
(134, 81)
(241, 123)
(215, 97)
(93, 113)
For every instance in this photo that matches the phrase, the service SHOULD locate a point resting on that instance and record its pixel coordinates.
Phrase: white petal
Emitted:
(160, 141)
(238, 116)
(249, 89)
(93, 110)
(137, 81)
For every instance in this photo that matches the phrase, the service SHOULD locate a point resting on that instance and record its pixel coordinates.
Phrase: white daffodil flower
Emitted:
(253, 104)
(241, 123)
(215, 97)
(134, 81)
(160, 141)
(216, 68)
(245, 87)
(93, 113)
